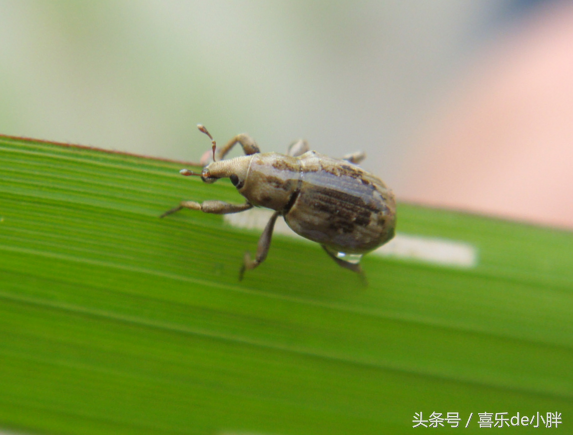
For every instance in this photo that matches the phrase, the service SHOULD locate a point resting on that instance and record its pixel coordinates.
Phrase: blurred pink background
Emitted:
(502, 144)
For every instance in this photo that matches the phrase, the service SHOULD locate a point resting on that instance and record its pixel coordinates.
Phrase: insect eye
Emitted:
(234, 180)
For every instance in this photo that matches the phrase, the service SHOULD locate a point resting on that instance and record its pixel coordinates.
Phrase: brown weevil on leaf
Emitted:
(334, 202)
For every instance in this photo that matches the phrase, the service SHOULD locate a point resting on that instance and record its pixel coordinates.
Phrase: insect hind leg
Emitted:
(345, 264)
(355, 157)
(297, 148)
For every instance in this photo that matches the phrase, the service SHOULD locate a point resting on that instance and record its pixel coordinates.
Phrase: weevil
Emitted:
(333, 202)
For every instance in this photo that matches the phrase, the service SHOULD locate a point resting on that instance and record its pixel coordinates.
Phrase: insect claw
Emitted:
(242, 272)
(363, 278)
(168, 212)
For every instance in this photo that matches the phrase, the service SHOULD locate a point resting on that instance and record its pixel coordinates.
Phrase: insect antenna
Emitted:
(202, 129)
(187, 173)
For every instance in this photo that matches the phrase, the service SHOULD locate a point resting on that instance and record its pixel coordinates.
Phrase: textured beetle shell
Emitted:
(329, 201)
(342, 206)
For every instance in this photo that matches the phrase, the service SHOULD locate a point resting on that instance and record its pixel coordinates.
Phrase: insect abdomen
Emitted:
(342, 207)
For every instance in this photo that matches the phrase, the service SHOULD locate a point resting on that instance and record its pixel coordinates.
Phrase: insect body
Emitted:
(330, 201)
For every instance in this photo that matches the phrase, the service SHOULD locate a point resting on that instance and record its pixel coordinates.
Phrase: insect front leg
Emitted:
(355, 157)
(262, 248)
(215, 207)
(247, 142)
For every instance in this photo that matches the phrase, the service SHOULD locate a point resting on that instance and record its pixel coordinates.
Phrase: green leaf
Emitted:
(115, 321)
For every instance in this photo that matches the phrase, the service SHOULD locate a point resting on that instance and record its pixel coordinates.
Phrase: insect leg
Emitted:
(350, 266)
(247, 142)
(355, 157)
(297, 148)
(262, 248)
(215, 207)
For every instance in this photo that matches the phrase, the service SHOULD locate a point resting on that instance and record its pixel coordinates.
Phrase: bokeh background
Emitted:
(458, 103)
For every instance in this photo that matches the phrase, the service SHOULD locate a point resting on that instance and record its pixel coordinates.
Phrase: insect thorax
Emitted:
(272, 180)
